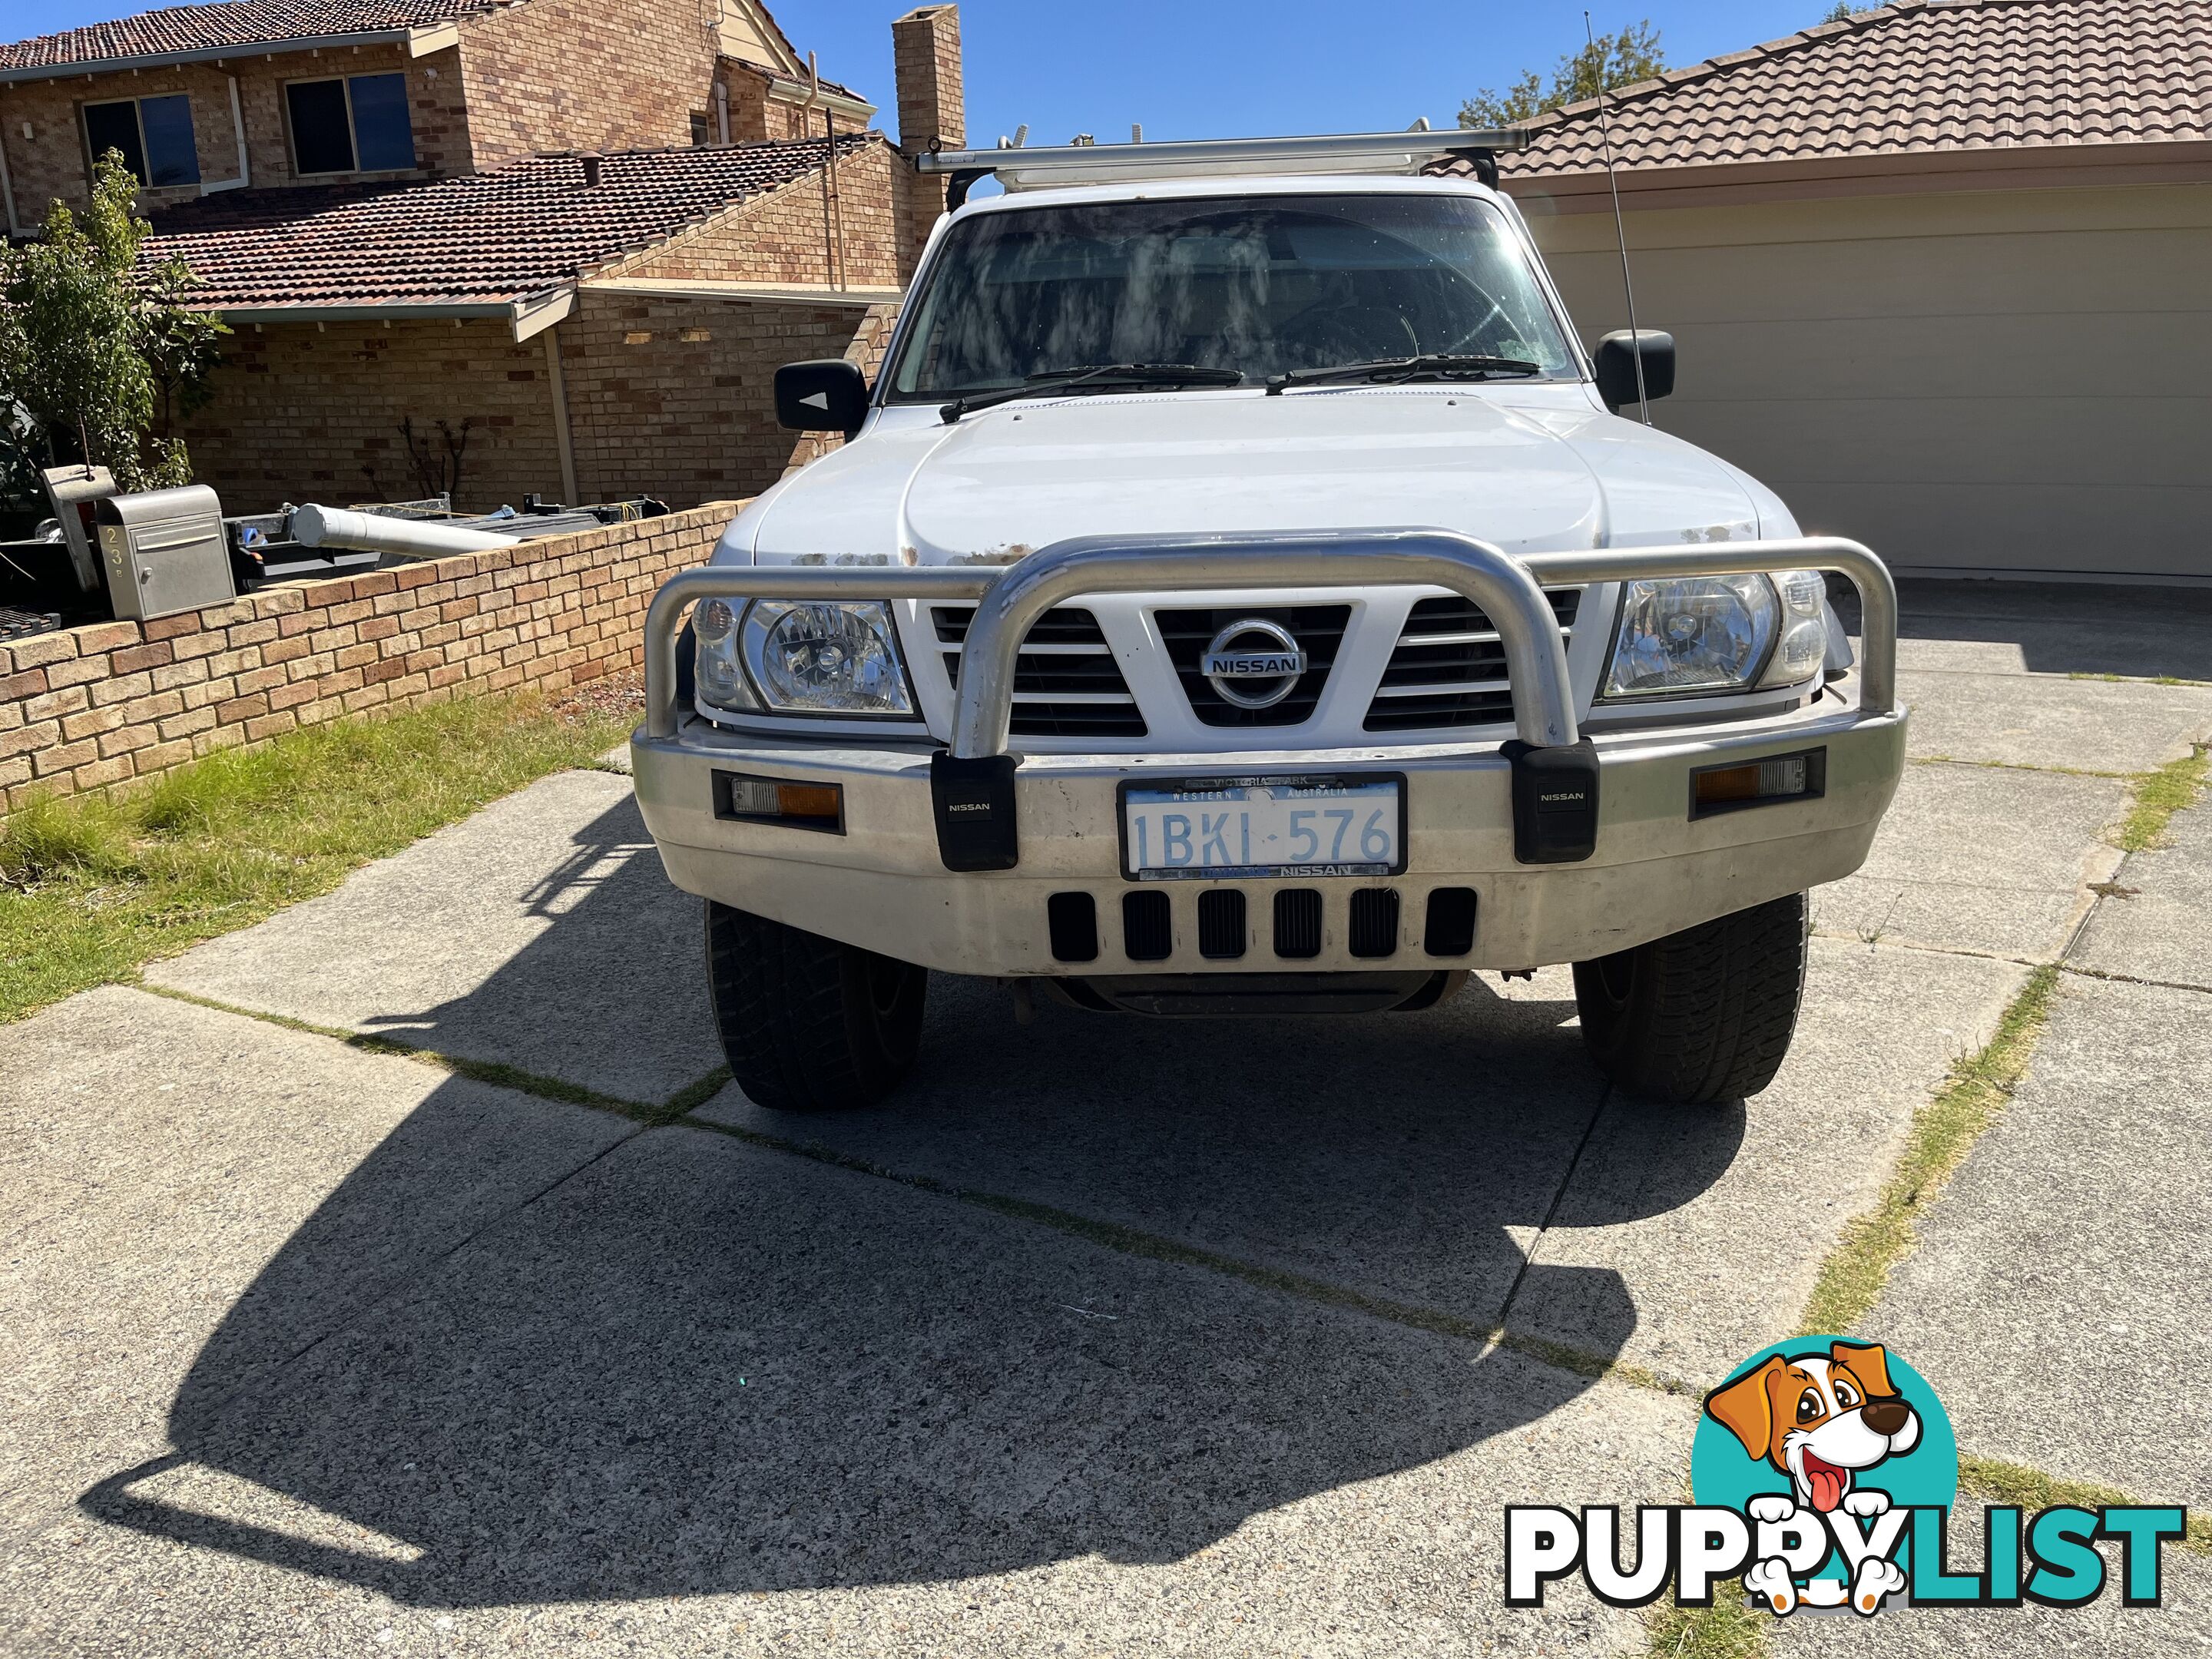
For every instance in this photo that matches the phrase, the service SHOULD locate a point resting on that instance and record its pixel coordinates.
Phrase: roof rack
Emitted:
(1222, 158)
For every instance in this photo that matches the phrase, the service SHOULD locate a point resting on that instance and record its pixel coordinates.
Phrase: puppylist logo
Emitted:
(1825, 1474)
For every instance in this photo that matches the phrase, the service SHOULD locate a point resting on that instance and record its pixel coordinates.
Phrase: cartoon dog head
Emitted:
(1818, 1417)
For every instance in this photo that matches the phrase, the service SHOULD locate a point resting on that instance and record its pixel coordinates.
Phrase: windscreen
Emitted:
(1259, 285)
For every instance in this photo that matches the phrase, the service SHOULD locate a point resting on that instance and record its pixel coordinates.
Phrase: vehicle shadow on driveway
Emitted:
(1406, 1155)
(2055, 628)
(607, 995)
(698, 1364)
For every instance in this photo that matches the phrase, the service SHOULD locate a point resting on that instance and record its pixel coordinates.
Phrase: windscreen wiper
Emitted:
(1058, 379)
(1394, 371)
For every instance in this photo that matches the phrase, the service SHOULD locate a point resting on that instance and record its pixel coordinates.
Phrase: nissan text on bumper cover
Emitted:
(1553, 847)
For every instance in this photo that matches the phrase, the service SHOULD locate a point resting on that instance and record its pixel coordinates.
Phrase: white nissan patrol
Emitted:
(1240, 595)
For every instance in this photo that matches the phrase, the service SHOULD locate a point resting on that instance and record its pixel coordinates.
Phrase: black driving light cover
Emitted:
(1554, 801)
(974, 801)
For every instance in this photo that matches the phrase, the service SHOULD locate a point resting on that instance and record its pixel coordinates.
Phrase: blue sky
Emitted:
(1198, 69)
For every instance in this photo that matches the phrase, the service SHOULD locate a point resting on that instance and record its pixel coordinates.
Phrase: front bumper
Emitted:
(883, 884)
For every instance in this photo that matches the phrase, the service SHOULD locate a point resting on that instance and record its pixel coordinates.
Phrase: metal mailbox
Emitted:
(164, 552)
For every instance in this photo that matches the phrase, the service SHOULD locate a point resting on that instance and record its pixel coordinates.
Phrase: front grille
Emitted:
(1298, 923)
(1221, 924)
(1450, 929)
(1448, 668)
(1318, 629)
(1374, 930)
(1147, 926)
(1071, 921)
(1066, 683)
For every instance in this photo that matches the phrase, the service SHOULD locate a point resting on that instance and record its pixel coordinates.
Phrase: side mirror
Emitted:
(1616, 367)
(827, 395)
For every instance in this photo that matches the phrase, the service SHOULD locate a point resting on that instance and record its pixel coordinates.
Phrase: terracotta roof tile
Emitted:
(1920, 75)
(492, 237)
(239, 23)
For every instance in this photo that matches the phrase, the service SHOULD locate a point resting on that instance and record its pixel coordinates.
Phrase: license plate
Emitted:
(1221, 828)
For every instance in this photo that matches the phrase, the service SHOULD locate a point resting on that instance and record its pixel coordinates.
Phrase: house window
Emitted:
(700, 130)
(154, 136)
(356, 125)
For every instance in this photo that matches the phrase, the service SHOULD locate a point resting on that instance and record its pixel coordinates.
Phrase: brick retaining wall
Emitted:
(105, 702)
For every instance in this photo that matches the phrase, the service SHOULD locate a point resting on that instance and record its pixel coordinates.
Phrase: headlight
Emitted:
(1803, 646)
(825, 657)
(1692, 633)
(719, 675)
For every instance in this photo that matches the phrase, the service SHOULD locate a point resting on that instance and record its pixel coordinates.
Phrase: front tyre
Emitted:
(809, 1024)
(1702, 1015)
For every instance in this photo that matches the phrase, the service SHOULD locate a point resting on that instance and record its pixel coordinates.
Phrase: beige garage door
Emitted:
(2016, 381)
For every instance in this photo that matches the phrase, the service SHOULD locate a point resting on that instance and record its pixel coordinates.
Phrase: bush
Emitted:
(99, 357)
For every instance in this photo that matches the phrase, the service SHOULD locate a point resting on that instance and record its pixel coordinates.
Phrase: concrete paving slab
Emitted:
(1726, 1270)
(2160, 925)
(616, 759)
(702, 1397)
(2105, 1629)
(168, 1153)
(1980, 857)
(2032, 927)
(2024, 719)
(1409, 1156)
(540, 934)
(2058, 1329)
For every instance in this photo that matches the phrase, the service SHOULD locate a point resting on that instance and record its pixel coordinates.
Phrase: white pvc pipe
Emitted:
(370, 532)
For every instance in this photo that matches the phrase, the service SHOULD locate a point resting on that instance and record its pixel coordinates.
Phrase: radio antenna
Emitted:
(1620, 225)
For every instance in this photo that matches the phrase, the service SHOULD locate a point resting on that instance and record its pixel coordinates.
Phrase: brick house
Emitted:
(580, 236)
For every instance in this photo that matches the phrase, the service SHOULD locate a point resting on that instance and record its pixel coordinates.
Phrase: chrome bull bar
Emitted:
(1535, 654)
(1555, 769)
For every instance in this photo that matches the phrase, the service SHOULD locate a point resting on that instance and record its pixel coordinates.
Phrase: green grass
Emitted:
(1726, 1630)
(652, 1114)
(95, 886)
(1943, 1131)
(2016, 766)
(2136, 679)
(1992, 1480)
(2158, 797)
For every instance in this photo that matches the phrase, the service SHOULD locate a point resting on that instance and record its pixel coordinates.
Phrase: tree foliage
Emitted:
(1620, 59)
(99, 359)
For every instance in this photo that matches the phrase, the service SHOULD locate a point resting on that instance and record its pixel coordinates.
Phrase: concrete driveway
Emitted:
(1099, 1339)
